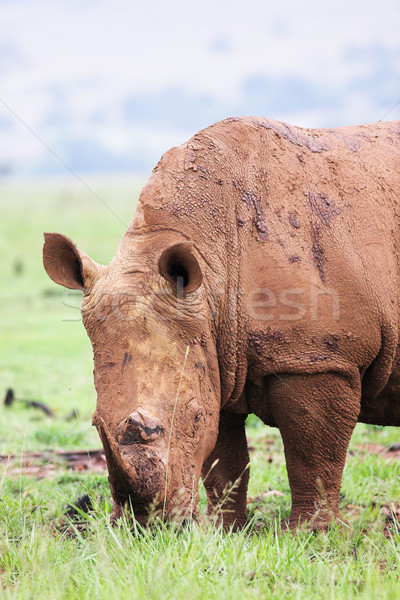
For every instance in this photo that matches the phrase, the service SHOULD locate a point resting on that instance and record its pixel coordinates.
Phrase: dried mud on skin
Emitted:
(46, 464)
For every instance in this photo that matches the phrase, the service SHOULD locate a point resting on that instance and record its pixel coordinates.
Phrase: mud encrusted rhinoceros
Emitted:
(260, 274)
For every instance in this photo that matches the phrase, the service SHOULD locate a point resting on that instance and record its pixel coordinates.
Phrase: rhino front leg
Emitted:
(316, 415)
(226, 472)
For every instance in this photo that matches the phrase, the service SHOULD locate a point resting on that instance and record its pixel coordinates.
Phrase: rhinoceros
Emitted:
(260, 274)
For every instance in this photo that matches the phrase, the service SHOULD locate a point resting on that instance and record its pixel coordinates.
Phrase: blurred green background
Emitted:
(45, 354)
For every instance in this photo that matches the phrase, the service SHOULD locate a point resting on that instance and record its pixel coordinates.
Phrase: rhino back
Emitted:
(298, 232)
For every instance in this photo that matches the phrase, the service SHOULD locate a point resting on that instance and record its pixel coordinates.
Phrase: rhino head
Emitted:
(155, 366)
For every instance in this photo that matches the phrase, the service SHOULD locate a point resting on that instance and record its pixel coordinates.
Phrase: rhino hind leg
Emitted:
(225, 473)
(316, 415)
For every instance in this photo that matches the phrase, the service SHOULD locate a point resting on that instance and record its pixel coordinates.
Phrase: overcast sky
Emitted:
(76, 62)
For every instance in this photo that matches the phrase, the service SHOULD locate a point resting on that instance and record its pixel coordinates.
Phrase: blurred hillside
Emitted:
(109, 88)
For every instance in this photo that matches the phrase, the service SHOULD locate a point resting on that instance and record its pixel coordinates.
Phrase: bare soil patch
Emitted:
(48, 463)
(387, 452)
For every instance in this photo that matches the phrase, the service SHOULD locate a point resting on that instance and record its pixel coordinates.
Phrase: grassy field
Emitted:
(46, 356)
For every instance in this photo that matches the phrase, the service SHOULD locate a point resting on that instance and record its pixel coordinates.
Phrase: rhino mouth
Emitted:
(136, 473)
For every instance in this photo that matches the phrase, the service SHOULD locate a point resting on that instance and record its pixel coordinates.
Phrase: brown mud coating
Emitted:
(260, 274)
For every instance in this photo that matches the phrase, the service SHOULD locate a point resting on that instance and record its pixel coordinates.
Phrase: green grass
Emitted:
(45, 355)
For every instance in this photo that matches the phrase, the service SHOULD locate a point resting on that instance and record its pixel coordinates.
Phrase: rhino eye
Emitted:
(197, 418)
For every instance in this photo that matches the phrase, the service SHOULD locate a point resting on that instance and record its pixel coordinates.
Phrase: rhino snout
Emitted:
(139, 427)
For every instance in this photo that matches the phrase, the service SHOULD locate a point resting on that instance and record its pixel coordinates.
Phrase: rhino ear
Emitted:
(178, 265)
(64, 263)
